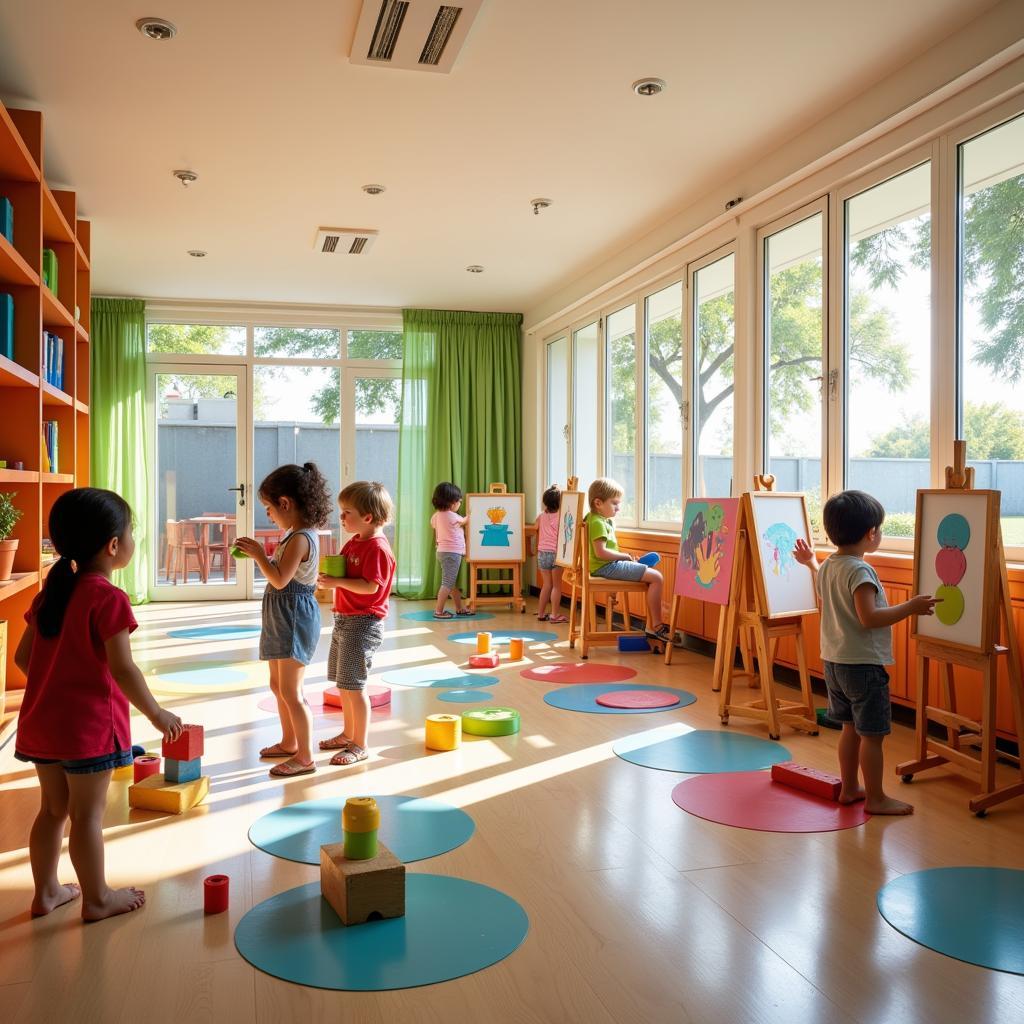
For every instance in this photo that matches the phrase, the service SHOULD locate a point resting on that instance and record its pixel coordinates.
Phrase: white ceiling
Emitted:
(258, 97)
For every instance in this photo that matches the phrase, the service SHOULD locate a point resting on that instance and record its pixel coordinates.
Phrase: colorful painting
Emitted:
(570, 515)
(706, 549)
(495, 527)
(779, 520)
(952, 562)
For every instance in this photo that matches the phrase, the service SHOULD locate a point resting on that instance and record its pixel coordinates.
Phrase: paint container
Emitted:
(360, 820)
(515, 648)
(215, 894)
(483, 643)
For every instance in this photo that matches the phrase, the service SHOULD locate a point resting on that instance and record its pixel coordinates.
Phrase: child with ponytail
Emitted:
(74, 721)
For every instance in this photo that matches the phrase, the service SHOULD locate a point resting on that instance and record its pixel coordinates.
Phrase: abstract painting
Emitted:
(706, 549)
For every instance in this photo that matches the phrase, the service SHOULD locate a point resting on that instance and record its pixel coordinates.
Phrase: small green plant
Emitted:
(9, 515)
(899, 524)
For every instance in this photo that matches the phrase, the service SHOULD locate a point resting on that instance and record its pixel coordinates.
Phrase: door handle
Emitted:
(241, 493)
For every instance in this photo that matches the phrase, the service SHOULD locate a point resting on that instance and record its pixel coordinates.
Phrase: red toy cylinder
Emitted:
(146, 765)
(215, 894)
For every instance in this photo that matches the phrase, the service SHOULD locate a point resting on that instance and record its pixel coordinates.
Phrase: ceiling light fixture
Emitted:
(539, 204)
(156, 28)
(373, 190)
(197, 253)
(648, 86)
(474, 268)
(186, 177)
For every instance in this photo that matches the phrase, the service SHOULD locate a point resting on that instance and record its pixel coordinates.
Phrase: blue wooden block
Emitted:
(633, 643)
(176, 771)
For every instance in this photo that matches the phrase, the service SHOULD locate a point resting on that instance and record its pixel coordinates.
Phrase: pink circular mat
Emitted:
(752, 800)
(380, 696)
(578, 672)
(638, 699)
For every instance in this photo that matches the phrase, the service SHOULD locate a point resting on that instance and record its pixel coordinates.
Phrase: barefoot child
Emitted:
(547, 544)
(297, 500)
(856, 643)
(450, 533)
(360, 607)
(74, 722)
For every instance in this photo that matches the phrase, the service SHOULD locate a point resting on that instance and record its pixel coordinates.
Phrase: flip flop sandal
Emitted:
(465, 613)
(543, 618)
(444, 615)
(335, 743)
(558, 618)
(276, 750)
(289, 769)
(351, 755)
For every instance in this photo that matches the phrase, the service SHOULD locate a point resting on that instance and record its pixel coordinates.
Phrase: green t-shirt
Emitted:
(599, 528)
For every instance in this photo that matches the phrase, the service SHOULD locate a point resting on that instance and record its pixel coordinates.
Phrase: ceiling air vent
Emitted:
(415, 35)
(355, 241)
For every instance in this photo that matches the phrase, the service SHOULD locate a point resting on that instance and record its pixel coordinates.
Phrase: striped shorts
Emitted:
(354, 642)
(450, 561)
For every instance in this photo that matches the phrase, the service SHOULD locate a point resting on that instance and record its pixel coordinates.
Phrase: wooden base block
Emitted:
(156, 794)
(362, 890)
(810, 780)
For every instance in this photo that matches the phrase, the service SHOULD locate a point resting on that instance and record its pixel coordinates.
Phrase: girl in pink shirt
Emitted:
(547, 544)
(450, 531)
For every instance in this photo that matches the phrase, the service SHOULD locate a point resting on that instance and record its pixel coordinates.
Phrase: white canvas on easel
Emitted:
(780, 520)
(495, 529)
(570, 515)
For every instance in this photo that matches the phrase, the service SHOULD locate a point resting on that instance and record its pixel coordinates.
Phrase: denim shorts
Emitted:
(859, 694)
(545, 560)
(450, 561)
(632, 572)
(291, 623)
(86, 765)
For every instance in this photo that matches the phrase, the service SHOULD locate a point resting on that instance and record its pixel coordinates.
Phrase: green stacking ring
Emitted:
(238, 553)
(490, 721)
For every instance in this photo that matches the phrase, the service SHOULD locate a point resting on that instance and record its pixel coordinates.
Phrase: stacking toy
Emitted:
(490, 722)
(483, 643)
(333, 565)
(215, 894)
(238, 553)
(633, 643)
(810, 780)
(145, 766)
(484, 660)
(444, 732)
(360, 820)
(515, 648)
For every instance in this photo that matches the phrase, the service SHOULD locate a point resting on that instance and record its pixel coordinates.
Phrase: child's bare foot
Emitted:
(888, 805)
(852, 796)
(44, 902)
(117, 901)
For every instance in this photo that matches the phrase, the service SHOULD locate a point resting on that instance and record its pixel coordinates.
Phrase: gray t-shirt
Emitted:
(843, 639)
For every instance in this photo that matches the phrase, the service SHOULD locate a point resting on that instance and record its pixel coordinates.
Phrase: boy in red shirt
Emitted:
(360, 606)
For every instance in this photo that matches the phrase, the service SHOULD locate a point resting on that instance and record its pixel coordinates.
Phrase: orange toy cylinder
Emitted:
(515, 648)
(483, 643)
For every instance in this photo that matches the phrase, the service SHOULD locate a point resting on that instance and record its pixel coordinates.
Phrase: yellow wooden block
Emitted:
(156, 794)
(362, 890)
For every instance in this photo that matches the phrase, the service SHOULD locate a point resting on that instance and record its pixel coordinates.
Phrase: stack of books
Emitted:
(50, 447)
(53, 359)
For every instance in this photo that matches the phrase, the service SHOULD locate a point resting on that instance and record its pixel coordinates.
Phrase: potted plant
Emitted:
(9, 516)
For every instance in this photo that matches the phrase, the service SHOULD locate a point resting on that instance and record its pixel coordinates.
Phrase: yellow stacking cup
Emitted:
(483, 643)
(360, 820)
(444, 732)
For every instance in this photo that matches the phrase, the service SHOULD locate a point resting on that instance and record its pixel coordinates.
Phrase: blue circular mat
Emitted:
(971, 914)
(465, 696)
(427, 615)
(452, 927)
(502, 636)
(583, 697)
(410, 827)
(206, 674)
(678, 748)
(437, 676)
(214, 632)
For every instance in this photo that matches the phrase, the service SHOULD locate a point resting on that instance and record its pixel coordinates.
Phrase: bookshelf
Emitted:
(44, 218)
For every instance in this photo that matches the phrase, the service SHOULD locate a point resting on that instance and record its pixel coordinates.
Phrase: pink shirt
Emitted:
(547, 531)
(448, 529)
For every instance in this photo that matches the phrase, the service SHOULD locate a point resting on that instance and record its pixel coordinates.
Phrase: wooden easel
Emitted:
(476, 582)
(932, 752)
(748, 610)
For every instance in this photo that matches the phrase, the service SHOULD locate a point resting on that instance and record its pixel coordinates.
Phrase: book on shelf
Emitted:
(51, 450)
(53, 359)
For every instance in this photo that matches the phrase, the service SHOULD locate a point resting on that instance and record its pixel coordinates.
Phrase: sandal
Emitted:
(665, 635)
(339, 742)
(289, 769)
(443, 615)
(465, 613)
(558, 618)
(276, 750)
(543, 618)
(350, 755)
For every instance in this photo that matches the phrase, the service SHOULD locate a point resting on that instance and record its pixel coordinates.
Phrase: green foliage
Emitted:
(9, 514)
(899, 524)
(991, 430)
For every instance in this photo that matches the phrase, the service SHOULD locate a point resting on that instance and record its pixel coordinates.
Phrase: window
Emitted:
(887, 334)
(297, 342)
(557, 412)
(663, 331)
(195, 339)
(714, 333)
(793, 346)
(620, 416)
(991, 328)
(585, 404)
(366, 344)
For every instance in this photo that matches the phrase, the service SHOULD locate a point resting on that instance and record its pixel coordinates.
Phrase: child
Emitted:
(74, 722)
(606, 560)
(360, 607)
(547, 542)
(297, 500)
(856, 643)
(449, 529)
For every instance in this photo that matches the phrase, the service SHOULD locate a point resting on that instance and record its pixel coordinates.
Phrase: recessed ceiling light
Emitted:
(539, 204)
(648, 86)
(475, 268)
(186, 177)
(156, 28)
(198, 253)
(373, 190)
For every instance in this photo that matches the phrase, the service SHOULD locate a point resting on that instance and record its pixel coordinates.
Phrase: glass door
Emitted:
(201, 501)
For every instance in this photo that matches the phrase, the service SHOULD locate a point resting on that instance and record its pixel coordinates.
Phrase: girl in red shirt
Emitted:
(73, 724)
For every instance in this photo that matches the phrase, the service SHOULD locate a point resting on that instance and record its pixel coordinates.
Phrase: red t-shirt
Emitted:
(73, 708)
(372, 560)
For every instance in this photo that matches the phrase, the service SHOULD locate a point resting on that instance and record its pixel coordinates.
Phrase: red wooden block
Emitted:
(810, 780)
(188, 746)
(484, 660)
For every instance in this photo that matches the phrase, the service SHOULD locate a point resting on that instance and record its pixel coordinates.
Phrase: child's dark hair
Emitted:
(82, 522)
(445, 495)
(306, 486)
(849, 515)
(551, 499)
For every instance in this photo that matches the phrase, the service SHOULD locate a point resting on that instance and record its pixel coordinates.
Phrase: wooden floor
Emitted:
(638, 911)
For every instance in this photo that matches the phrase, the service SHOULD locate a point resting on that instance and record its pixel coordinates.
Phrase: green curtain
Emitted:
(461, 412)
(119, 425)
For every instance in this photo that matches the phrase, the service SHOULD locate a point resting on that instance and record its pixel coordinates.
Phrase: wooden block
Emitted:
(156, 794)
(176, 771)
(810, 780)
(361, 890)
(188, 746)
(484, 660)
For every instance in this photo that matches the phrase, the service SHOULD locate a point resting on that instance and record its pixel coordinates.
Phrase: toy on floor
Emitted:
(809, 780)
(443, 732)
(380, 696)
(490, 722)
(484, 660)
(145, 766)
(483, 643)
(360, 821)
(182, 784)
(515, 648)
(215, 894)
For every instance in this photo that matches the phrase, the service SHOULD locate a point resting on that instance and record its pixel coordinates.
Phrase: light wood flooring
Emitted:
(638, 911)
